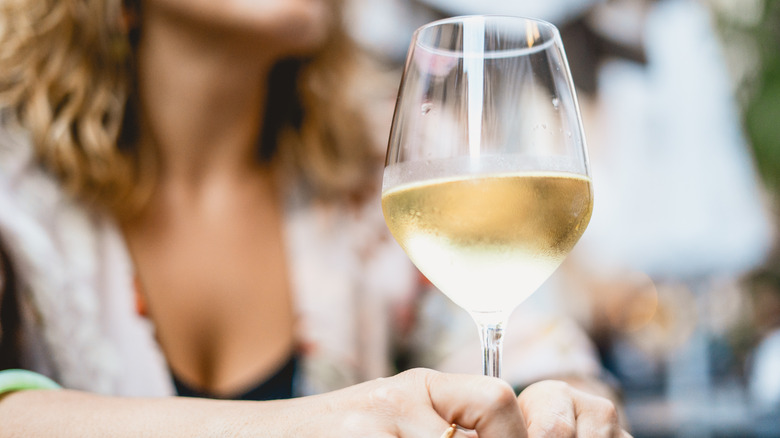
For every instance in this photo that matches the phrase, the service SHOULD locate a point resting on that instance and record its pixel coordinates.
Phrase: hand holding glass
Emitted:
(486, 183)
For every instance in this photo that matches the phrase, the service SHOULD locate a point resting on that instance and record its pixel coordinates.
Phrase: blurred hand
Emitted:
(557, 409)
(423, 403)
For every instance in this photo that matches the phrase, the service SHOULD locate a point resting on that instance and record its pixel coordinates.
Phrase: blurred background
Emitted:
(678, 277)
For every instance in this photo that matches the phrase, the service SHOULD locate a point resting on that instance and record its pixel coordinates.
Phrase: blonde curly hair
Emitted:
(67, 76)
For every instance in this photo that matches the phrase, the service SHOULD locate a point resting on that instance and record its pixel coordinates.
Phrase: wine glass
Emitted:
(486, 183)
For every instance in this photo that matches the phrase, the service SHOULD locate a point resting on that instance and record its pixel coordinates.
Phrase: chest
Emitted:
(206, 274)
(216, 285)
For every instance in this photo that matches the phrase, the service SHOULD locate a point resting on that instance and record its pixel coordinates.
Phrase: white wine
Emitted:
(488, 242)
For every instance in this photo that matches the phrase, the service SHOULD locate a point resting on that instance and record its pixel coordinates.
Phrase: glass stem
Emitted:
(492, 344)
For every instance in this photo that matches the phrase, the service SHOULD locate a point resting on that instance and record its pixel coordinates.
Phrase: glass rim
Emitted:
(462, 18)
(503, 53)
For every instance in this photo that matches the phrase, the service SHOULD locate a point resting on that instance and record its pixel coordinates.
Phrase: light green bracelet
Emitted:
(17, 380)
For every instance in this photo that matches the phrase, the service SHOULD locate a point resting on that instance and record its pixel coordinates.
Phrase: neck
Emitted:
(202, 100)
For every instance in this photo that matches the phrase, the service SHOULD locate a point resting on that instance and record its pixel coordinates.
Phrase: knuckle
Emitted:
(606, 410)
(401, 393)
(562, 422)
(603, 417)
(562, 429)
(417, 374)
(500, 395)
(550, 386)
(558, 386)
(555, 426)
(388, 397)
(419, 378)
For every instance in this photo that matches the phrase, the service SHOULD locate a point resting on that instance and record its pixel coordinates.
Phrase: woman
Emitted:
(158, 172)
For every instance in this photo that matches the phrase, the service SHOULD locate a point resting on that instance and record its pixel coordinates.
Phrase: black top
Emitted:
(278, 386)
(10, 321)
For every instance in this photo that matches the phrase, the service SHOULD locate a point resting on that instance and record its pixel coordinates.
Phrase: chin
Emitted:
(303, 32)
(285, 27)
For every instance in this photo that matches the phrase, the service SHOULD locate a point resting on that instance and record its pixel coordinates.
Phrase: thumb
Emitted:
(484, 404)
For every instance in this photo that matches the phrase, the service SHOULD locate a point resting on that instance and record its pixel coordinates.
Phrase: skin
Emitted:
(222, 325)
(202, 67)
(417, 403)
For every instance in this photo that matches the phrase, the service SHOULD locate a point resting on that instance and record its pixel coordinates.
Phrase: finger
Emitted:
(484, 404)
(596, 417)
(410, 412)
(466, 433)
(548, 409)
(428, 424)
(555, 408)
